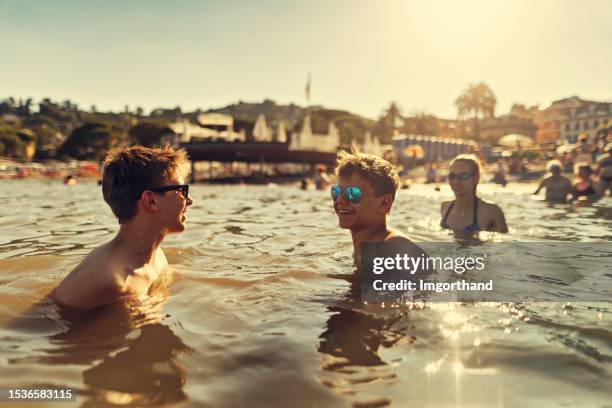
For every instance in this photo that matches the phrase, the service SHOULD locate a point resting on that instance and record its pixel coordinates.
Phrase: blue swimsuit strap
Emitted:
(470, 228)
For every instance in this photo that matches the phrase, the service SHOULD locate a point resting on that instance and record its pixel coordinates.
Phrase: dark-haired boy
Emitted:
(146, 191)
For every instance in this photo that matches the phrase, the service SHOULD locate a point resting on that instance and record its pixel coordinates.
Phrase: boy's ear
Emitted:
(148, 201)
(386, 203)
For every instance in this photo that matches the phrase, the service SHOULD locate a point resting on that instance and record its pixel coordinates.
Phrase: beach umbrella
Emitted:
(515, 140)
(415, 151)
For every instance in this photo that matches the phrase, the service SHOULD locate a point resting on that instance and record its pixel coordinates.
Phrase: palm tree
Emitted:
(476, 99)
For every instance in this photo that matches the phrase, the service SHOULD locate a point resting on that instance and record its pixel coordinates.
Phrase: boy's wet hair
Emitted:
(130, 171)
(381, 174)
(472, 160)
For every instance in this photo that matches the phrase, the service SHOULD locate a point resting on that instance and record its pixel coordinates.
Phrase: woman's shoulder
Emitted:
(444, 205)
(493, 217)
(490, 206)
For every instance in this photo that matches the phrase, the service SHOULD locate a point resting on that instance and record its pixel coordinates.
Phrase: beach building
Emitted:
(223, 124)
(261, 131)
(449, 128)
(281, 132)
(238, 130)
(585, 117)
(187, 132)
(209, 126)
(565, 119)
(307, 139)
(371, 145)
(215, 121)
(492, 129)
(547, 124)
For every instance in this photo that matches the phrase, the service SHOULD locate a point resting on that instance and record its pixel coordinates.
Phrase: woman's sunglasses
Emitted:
(353, 194)
(459, 176)
(181, 188)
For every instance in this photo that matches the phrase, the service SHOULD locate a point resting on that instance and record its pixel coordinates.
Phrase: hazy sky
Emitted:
(362, 53)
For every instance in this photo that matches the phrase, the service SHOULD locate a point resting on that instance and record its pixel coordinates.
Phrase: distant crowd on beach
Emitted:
(592, 168)
(591, 165)
(585, 152)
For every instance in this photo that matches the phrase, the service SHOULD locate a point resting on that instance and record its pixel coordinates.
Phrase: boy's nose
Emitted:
(342, 199)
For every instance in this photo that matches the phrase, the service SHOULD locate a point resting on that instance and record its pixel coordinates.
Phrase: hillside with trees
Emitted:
(62, 130)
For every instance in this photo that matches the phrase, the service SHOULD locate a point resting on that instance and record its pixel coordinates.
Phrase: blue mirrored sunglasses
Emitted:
(353, 194)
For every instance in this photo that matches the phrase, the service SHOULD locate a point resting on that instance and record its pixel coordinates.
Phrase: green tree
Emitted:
(14, 141)
(8, 106)
(10, 145)
(477, 99)
(149, 134)
(91, 141)
(24, 108)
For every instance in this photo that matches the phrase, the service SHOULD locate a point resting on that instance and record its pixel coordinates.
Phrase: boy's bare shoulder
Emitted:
(97, 280)
(397, 237)
(403, 242)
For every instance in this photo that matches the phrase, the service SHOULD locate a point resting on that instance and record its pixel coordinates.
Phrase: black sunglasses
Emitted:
(182, 188)
(459, 176)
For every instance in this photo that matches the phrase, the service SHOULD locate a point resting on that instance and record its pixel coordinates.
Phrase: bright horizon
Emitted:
(362, 54)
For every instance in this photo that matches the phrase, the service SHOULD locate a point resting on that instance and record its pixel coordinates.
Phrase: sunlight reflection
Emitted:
(117, 398)
(433, 367)
(454, 323)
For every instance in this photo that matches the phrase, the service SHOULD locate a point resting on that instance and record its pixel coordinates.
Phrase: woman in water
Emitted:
(467, 213)
(584, 185)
